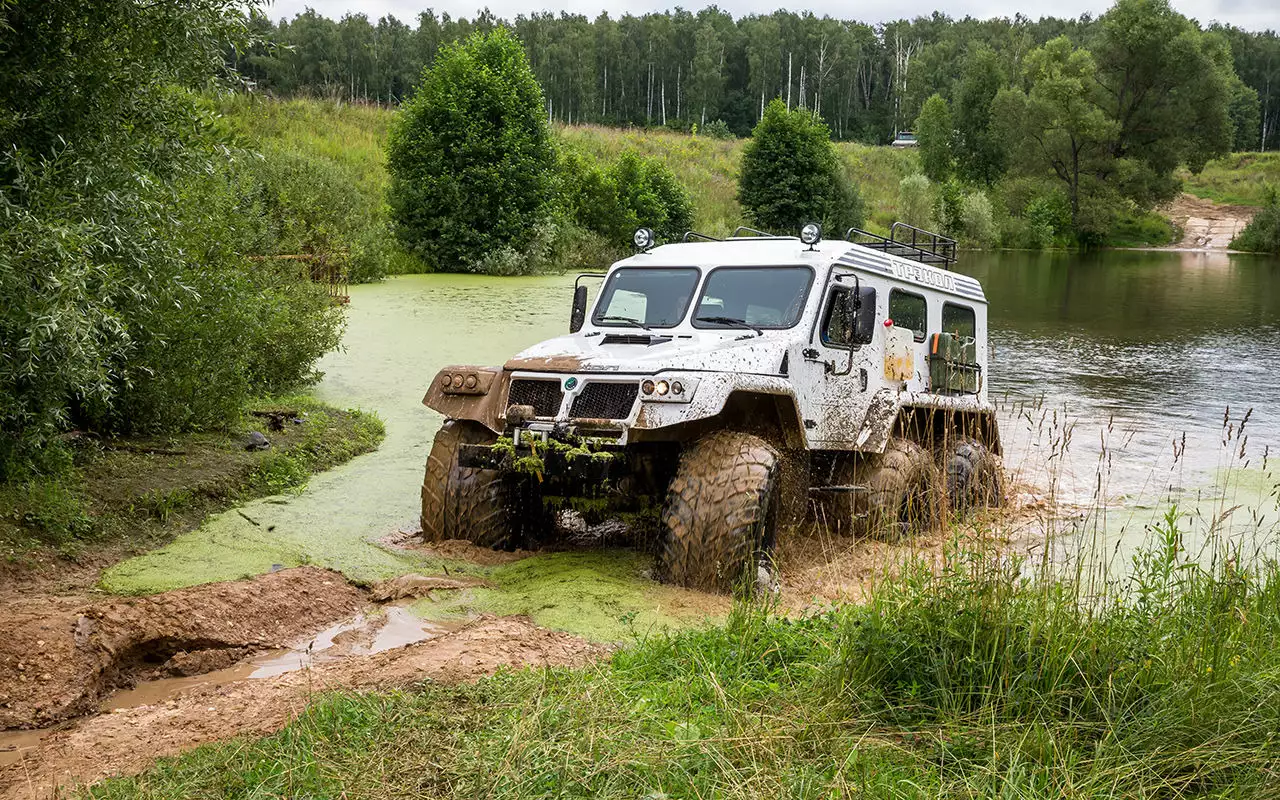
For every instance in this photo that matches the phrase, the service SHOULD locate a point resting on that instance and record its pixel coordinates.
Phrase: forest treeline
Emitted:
(681, 68)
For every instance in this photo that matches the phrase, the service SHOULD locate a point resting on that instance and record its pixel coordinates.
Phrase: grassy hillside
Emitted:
(1239, 179)
(350, 139)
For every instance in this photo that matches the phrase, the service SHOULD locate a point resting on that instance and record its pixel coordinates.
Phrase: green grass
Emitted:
(971, 683)
(1239, 179)
(123, 496)
(1141, 230)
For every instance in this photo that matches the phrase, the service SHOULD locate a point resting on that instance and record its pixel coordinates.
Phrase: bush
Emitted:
(470, 156)
(977, 220)
(718, 129)
(791, 175)
(1262, 234)
(935, 131)
(632, 192)
(915, 202)
(128, 302)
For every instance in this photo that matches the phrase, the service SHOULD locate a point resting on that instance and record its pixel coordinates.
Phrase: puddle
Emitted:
(363, 635)
(13, 743)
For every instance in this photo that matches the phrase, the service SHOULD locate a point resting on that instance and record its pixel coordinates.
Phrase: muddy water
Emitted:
(1126, 351)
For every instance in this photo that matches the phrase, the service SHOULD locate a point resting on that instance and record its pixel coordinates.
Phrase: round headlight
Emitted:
(471, 381)
(647, 387)
(663, 387)
(458, 379)
(445, 381)
(811, 233)
(677, 387)
(642, 238)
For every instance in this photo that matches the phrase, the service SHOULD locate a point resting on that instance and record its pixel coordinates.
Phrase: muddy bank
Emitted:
(59, 656)
(1207, 225)
(128, 740)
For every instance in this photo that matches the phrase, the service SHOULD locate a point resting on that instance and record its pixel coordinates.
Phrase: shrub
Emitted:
(1262, 234)
(791, 175)
(470, 156)
(632, 192)
(915, 201)
(718, 129)
(977, 220)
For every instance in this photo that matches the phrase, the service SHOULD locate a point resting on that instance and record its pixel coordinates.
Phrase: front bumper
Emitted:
(546, 461)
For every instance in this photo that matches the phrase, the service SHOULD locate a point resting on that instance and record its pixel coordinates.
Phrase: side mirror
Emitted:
(864, 327)
(578, 315)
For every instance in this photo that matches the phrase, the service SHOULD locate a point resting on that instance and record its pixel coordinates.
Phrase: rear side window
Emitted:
(909, 311)
(959, 320)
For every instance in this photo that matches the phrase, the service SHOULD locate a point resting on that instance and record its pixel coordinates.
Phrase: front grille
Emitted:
(599, 400)
(544, 396)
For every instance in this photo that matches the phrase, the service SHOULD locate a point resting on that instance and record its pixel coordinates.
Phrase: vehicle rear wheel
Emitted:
(463, 503)
(973, 475)
(721, 512)
(901, 490)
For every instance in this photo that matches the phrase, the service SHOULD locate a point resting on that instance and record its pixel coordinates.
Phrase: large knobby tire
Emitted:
(974, 476)
(462, 503)
(902, 486)
(720, 512)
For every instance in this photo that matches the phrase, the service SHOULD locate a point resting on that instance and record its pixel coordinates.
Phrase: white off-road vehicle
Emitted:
(731, 387)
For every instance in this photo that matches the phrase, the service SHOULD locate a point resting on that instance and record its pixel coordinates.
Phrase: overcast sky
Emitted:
(1248, 14)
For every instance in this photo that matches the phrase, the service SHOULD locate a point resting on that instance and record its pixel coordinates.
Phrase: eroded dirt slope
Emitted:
(1207, 225)
(59, 656)
(128, 740)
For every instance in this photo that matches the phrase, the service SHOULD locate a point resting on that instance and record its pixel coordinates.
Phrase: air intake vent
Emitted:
(634, 338)
(544, 396)
(599, 400)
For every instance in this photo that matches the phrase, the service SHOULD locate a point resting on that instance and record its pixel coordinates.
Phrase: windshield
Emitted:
(646, 297)
(758, 297)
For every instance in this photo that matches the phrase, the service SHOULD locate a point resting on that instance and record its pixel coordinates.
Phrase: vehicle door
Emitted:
(839, 361)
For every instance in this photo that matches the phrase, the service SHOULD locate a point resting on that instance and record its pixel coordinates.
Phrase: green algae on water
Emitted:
(602, 595)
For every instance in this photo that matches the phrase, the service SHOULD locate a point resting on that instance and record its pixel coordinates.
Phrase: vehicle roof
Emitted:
(780, 251)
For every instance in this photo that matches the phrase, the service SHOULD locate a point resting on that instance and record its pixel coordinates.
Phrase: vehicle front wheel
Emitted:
(459, 502)
(721, 512)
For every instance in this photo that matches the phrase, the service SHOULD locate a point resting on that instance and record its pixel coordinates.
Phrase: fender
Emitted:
(481, 403)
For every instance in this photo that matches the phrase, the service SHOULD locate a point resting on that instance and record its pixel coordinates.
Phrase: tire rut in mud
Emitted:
(60, 657)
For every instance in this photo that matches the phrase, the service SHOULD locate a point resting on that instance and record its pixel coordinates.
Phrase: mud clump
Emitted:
(59, 657)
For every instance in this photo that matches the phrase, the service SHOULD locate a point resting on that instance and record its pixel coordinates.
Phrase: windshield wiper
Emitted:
(731, 321)
(629, 320)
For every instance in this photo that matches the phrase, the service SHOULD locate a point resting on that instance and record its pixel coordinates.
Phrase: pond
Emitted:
(1126, 351)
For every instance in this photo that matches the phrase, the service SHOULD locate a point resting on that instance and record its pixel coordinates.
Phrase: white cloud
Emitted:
(1248, 14)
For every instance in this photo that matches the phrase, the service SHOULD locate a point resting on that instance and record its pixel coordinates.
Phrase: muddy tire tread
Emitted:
(973, 474)
(461, 503)
(718, 508)
(902, 485)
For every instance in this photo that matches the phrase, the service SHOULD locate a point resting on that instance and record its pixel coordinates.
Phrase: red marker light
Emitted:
(888, 323)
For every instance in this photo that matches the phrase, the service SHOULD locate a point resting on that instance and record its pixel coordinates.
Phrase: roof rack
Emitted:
(688, 235)
(923, 246)
(755, 234)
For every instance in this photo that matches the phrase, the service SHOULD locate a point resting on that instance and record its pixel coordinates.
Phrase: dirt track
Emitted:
(1207, 225)
(59, 664)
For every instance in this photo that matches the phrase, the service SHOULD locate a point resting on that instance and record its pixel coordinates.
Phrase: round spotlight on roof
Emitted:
(811, 233)
(642, 238)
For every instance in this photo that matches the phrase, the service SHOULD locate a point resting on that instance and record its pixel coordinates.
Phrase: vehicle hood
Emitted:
(730, 351)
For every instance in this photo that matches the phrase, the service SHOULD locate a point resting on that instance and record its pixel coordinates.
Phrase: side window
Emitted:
(959, 320)
(834, 334)
(908, 311)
